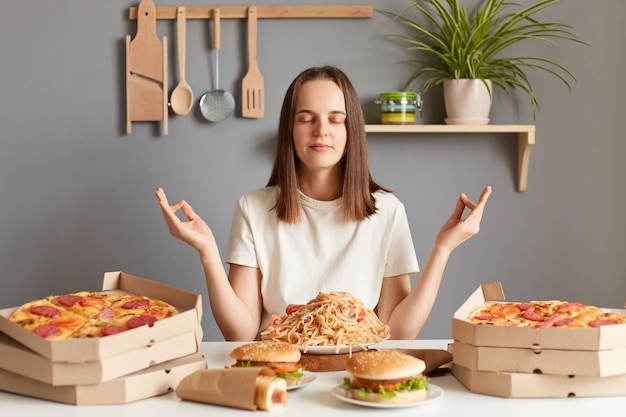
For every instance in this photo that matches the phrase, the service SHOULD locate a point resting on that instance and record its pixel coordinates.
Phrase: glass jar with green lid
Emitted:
(399, 107)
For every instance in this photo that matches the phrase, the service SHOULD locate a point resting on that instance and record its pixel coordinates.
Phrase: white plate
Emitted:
(306, 379)
(434, 393)
(331, 350)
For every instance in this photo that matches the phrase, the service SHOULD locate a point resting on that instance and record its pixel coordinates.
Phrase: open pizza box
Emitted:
(98, 349)
(528, 385)
(589, 339)
(150, 382)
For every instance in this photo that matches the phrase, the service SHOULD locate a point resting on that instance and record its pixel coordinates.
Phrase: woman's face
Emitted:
(319, 130)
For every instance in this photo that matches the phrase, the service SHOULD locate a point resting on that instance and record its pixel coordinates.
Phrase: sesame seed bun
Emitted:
(266, 351)
(384, 365)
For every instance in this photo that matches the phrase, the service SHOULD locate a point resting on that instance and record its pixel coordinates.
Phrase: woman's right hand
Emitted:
(195, 231)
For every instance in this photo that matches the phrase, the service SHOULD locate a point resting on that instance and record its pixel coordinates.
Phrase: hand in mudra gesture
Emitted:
(194, 231)
(457, 229)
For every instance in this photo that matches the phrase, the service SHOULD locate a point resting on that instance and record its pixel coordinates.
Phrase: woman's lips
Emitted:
(320, 147)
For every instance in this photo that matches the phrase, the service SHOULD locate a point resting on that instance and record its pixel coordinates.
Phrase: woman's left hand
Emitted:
(457, 230)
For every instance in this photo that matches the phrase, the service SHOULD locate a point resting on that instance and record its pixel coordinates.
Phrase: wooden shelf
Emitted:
(525, 139)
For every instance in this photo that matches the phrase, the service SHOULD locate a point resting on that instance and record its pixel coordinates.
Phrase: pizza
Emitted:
(540, 314)
(89, 314)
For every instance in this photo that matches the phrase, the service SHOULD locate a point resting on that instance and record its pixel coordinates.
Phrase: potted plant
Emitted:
(466, 51)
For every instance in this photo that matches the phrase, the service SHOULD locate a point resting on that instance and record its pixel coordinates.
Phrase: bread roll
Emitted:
(270, 392)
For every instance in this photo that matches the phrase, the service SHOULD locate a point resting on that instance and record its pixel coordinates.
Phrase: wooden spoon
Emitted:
(181, 99)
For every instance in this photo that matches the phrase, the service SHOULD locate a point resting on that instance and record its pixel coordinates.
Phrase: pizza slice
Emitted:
(47, 320)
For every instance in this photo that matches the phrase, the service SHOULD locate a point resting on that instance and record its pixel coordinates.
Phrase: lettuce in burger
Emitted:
(386, 376)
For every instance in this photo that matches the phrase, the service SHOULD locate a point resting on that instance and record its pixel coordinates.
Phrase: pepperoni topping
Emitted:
(46, 311)
(602, 322)
(106, 313)
(532, 316)
(549, 322)
(563, 322)
(570, 308)
(524, 306)
(47, 330)
(141, 321)
(111, 330)
(68, 300)
(133, 304)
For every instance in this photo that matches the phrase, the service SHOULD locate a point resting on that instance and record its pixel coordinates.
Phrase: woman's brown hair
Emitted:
(358, 185)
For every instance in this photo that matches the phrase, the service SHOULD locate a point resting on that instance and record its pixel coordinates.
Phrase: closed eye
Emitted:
(338, 119)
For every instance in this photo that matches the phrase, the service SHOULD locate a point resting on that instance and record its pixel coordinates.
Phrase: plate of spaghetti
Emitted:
(331, 323)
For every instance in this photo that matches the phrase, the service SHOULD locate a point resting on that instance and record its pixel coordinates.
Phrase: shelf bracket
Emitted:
(525, 142)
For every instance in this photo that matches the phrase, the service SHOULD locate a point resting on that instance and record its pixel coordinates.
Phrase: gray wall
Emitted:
(76, 192)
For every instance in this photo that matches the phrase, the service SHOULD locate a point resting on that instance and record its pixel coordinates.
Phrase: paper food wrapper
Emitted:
(434, 358)
(229, 387)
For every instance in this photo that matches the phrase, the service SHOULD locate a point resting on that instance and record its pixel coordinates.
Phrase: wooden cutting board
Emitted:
(146, 71)
(324, 363)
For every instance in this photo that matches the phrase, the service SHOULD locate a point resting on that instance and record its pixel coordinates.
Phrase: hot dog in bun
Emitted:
(281, 357)
(386, 376)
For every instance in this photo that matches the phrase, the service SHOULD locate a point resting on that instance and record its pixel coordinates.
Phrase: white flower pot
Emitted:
(467, 101)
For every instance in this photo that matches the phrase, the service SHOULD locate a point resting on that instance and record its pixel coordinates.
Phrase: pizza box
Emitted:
(524, 385)
(81, 350)
(593, 339)
(540, 361)
(18, 359)
(156, 380)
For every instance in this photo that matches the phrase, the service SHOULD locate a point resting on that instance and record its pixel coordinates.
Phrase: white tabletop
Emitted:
(315, 399)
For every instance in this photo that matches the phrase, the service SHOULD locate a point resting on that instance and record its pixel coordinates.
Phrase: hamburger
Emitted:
(386, 376)
(282, 358)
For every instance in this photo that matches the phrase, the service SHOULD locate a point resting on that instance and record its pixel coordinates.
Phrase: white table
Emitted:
(316, 400)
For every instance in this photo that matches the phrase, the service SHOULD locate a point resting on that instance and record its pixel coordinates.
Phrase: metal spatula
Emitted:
(252, 85)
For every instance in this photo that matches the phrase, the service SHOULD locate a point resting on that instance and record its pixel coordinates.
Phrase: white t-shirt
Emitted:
(323, 252)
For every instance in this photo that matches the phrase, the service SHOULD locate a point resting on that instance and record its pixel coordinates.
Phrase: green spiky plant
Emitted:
(452, 44)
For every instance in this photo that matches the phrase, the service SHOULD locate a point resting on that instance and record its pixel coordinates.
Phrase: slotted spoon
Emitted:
(217, 105)
(252, 85)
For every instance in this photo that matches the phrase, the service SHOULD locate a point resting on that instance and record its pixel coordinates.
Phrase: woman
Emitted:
(320, 224)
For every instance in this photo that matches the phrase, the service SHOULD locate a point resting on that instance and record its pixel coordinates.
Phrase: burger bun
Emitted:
(384, 365)
(266, 351)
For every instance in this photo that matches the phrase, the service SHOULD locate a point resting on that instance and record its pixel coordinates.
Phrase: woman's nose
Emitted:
(321, 128)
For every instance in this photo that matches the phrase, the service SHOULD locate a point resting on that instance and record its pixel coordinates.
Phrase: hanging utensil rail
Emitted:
(266, 12)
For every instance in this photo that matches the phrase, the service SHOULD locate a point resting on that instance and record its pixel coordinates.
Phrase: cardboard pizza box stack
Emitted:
(523, 362)
(129, 366)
